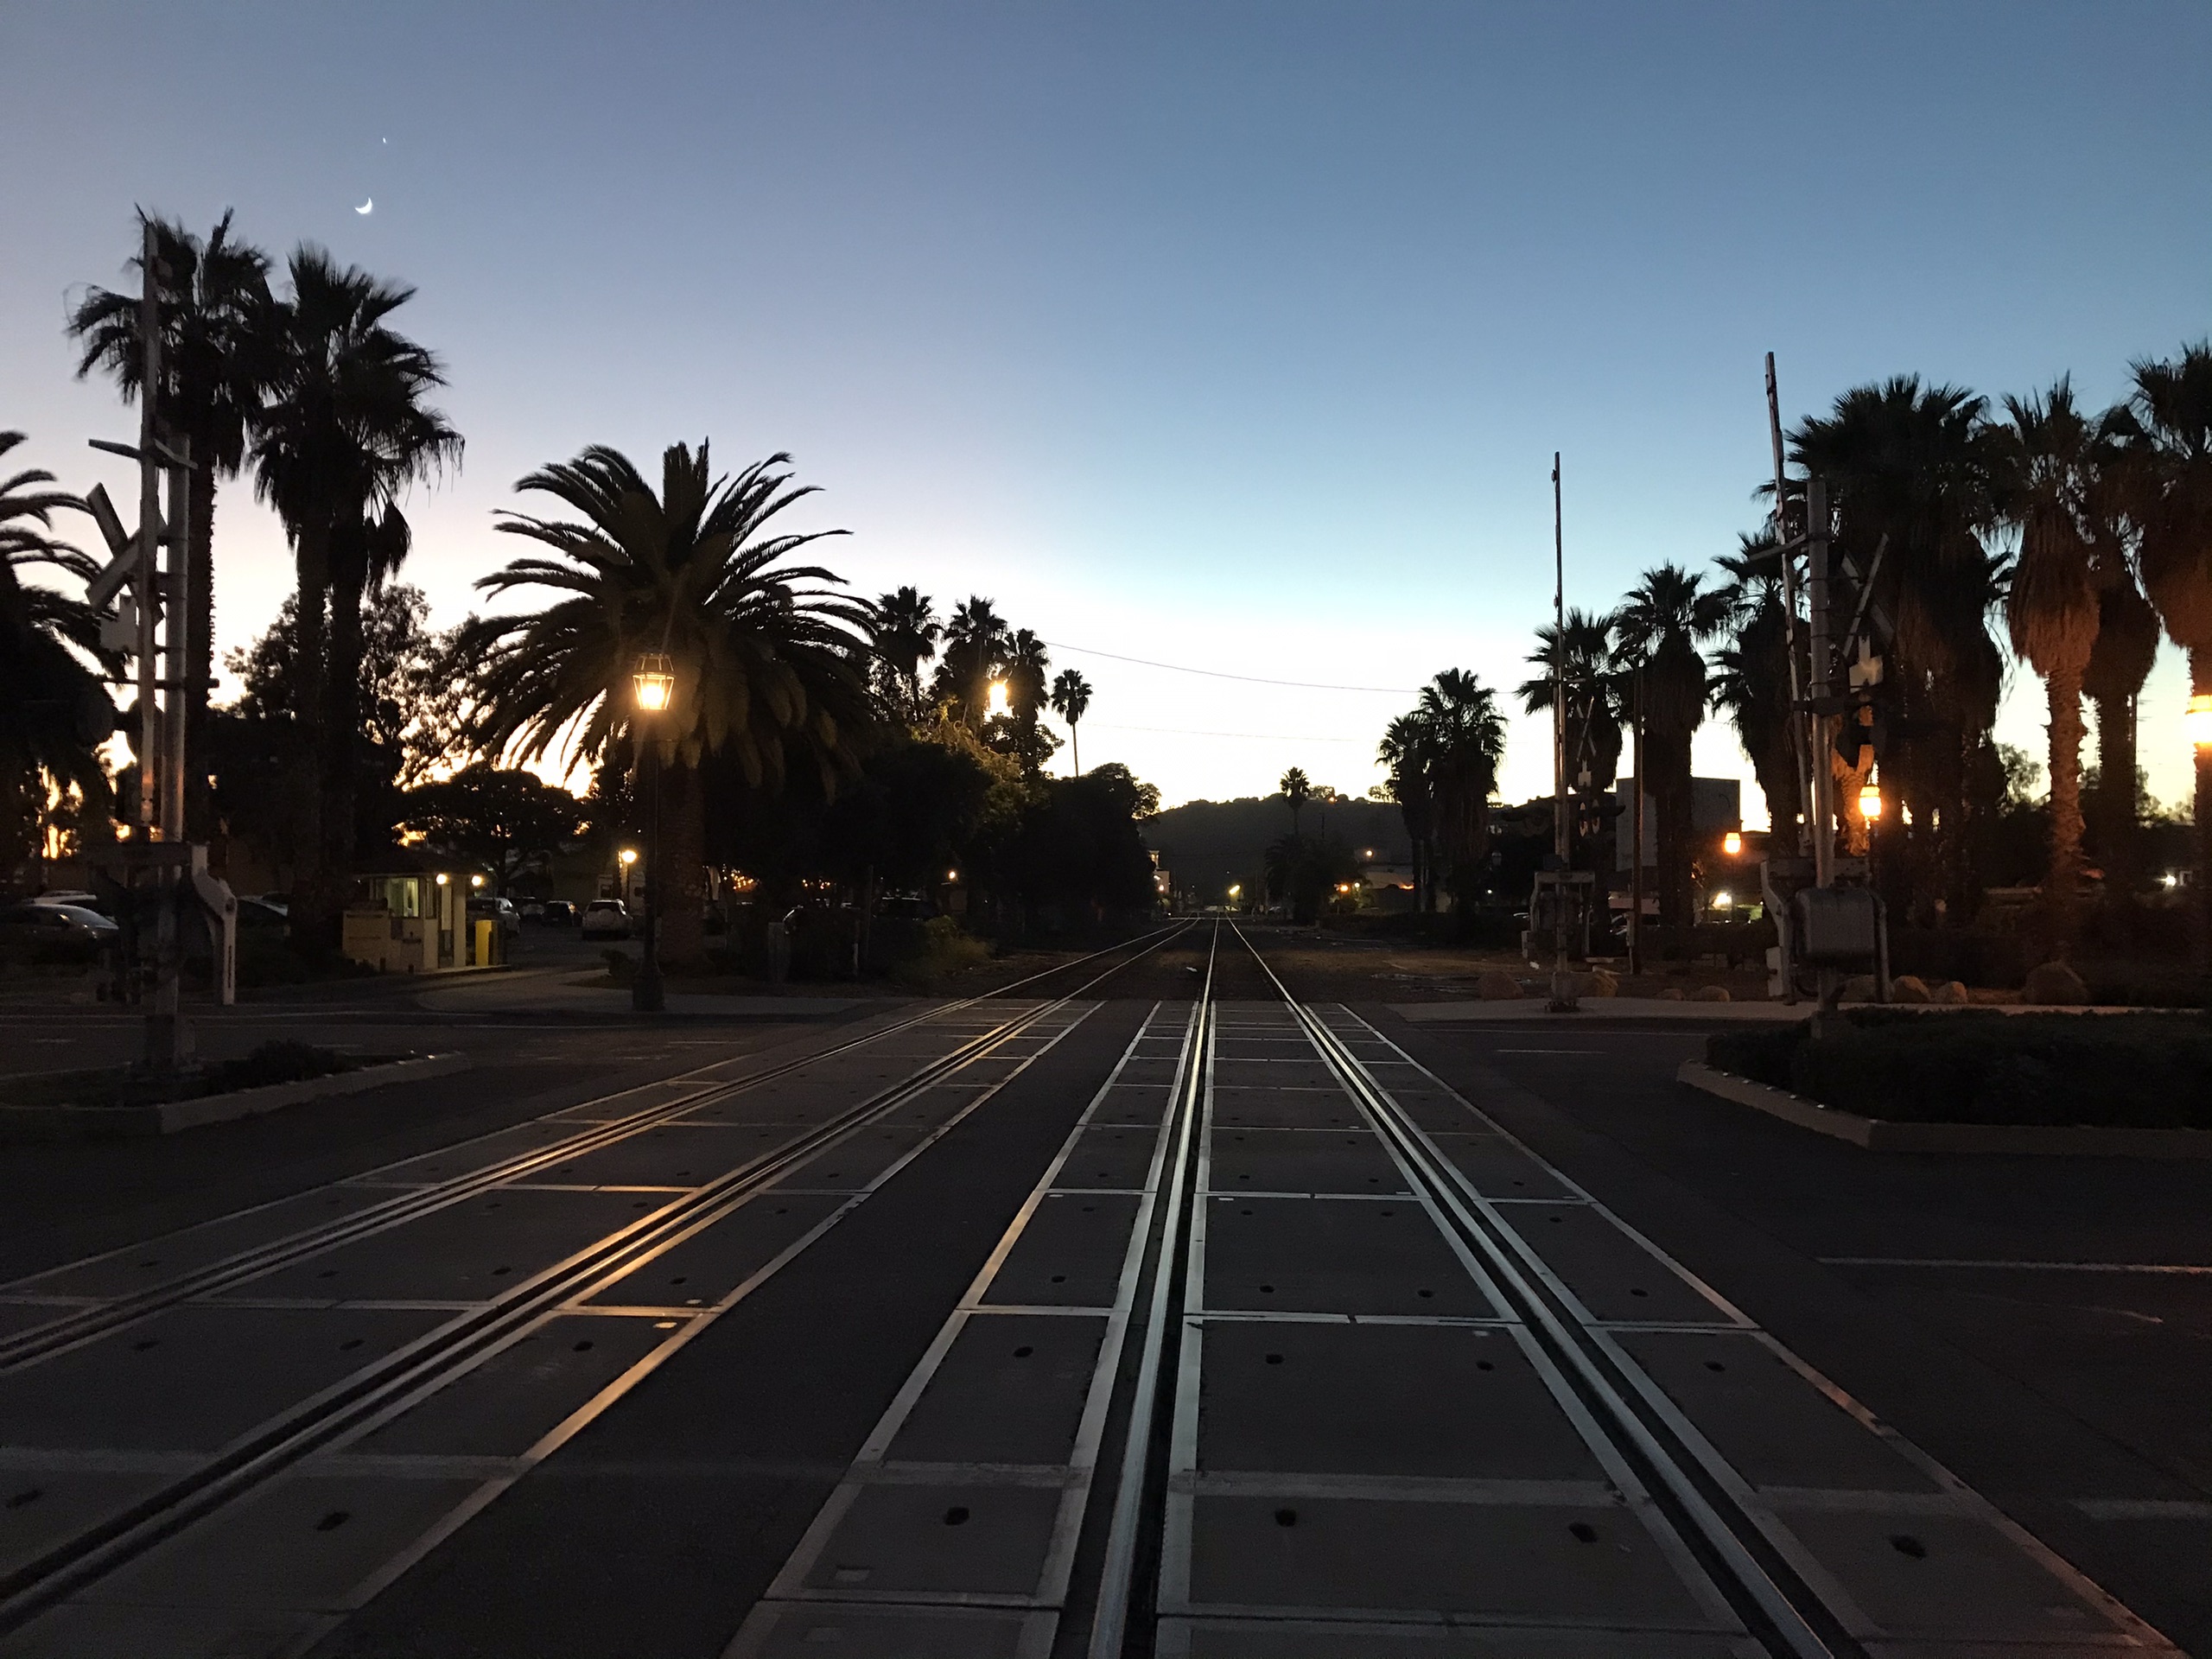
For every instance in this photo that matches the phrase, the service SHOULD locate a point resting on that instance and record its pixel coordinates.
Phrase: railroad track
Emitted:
(1291, 1439)
(393, 1383)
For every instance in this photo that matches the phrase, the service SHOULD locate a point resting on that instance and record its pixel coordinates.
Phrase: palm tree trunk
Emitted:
(683, 879)
(2062, 885)
(1669, 758)
(314, 557)
(2112, 813)
(339, 740)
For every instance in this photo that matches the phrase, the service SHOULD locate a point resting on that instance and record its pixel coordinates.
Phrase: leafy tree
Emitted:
(53, 711)
(342, 433)
(212, 300)
(1071, 702)
(768, 658)
(503, 817)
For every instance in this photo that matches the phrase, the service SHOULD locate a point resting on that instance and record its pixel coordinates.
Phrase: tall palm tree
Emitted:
(1593, 694)
(1660, 624)
(1908, 472)
(766, 653)
(907, 631)
(212, 300)
(50, 703)
(974, 654)
(1297, 789)
(344, 432)
(2049, 457)
(1465, 739)
(2172, 408)
(1408, 753)
(1071, 702)
(1752, 681)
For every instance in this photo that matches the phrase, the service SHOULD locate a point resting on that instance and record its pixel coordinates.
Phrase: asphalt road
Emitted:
(828, 1334)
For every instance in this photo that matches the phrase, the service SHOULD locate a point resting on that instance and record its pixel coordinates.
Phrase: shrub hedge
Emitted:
(2139, 1070)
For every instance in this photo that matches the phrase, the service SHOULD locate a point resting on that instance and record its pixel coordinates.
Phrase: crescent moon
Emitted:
(368, 207)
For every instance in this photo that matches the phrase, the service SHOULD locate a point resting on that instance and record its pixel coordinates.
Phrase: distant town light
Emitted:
(442, 878)
(2198, 720)
(952, 875)
(1731, 844)
(475, 880)
(2170, 878)
(628, 855)
(655, 680)
(1720, 900)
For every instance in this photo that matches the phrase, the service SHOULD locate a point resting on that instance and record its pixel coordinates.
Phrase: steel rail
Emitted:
(74, 1329)
(1139, 1476)
(1781, 1610)
(417, 1370)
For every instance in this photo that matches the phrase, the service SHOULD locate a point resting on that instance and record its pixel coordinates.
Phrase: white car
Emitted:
(606, 919)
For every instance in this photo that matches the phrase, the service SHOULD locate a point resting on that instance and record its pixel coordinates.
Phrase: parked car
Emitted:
(279, 902)
(500, 910)
(531, 909)
(559, 912)
(42, 931)
(259, 916)
(606, 919)
(78, 897)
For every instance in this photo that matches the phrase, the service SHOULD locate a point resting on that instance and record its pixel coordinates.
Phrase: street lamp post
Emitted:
(654, 679)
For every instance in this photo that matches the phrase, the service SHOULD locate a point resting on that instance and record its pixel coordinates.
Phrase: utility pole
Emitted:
(1798, 751)
(1636, 858)
(1818, 598)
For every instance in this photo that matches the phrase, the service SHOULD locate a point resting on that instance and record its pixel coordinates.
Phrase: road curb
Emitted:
(1878, 1134)
(169, 1117)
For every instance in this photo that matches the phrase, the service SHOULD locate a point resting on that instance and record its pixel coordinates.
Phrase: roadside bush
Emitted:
(2137, 1070)
(944, 950)
(276, 1061)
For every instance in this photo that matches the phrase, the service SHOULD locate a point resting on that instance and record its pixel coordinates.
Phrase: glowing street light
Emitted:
(475, 880)
(1731, 844)
(1720, 900)
(628, 855)
(1869, 800)
(2197, 722)
(654, 677)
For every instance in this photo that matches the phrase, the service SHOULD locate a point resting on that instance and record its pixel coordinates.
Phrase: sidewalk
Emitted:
(550, 990)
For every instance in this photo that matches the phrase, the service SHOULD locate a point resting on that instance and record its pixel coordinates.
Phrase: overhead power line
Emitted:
(1217, 674)
(1257, 737)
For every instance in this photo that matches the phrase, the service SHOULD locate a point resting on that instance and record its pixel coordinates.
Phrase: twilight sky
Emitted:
(1231, 336)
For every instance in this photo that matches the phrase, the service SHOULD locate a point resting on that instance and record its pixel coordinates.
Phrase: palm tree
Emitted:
(1463, 736)
(343, 434)
(974, 646)
(50, 704)
(2051, 457)
(1071, 702)
(766, 654)
(1297, 789)
(2172, 410)
(1593, 694)
(1406, 752)
(1908, 472)
(1660, 624)
(214, 303)
(1751, 684)
(907, 631)
(2119, 662)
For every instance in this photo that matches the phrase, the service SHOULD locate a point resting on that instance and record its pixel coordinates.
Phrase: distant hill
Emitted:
(1208, 844)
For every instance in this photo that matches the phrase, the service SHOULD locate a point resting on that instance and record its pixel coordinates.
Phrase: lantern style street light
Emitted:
(1731, 844)
(1869, 800)
(654, 681)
